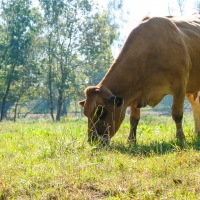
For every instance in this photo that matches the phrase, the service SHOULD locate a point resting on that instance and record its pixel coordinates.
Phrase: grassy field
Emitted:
(45, 160)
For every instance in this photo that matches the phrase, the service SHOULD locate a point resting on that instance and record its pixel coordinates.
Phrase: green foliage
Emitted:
(52, 51)
(18, 67)
(46, 160)
(83, 37)
(18, 22)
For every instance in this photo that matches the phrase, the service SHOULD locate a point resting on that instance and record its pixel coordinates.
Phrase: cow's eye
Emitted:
(100, 112)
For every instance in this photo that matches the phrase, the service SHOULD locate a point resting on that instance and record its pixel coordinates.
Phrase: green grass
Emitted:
(44, 160)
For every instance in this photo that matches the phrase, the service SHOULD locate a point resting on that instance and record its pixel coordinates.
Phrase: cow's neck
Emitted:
(122, 80)
(115, 79)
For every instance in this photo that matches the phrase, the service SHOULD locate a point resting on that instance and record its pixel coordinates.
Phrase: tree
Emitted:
(181, 5)
(97, 47)
(76, 36)
(197, 5)
(72, 50)
(19, 24)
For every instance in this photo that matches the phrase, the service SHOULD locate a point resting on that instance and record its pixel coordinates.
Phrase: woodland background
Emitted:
(50, 51)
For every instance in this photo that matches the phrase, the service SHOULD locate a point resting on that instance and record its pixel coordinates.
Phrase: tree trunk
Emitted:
(51, 106)
(15, 111)
(59, 105)
(181, 5)
(51, 93)
(3, 113)
(65, 107)
(50, 82)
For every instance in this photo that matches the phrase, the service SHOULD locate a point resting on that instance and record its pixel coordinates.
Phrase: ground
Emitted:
(45, 160)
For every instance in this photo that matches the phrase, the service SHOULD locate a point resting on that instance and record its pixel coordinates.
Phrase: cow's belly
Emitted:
(156, 94)
(155, 101)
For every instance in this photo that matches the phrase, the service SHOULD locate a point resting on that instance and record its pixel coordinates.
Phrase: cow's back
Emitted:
(158, 57)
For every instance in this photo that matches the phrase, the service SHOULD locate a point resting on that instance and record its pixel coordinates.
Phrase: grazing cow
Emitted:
(160, 56)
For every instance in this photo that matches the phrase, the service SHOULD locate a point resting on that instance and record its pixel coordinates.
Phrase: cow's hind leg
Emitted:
(134, 120)
(194, 101)
(177, 114)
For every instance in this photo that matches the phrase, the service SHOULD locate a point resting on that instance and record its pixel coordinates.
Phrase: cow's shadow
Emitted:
(153, 148)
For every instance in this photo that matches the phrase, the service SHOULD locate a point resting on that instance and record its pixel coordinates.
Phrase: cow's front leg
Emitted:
(177, 115)
(134, 120)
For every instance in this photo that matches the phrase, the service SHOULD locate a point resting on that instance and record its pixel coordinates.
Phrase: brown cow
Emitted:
(160, 56)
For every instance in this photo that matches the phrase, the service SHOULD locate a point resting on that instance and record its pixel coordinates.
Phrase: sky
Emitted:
(158, 7)
(138, 9)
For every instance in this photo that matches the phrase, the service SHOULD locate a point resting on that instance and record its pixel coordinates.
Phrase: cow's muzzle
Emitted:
(96, 139)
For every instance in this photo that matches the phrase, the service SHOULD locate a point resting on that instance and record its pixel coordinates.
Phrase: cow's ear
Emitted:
(92, 90)
(116, 100)
(81, 103)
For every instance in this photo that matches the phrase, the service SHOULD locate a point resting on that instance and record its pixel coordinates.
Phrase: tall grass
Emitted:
(45, 160)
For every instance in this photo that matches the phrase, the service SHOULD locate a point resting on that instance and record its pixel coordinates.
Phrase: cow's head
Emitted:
(105, 113)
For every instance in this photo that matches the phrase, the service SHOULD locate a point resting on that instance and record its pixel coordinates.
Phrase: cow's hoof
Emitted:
(131, 141)
(181, 142)
(180, 138)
